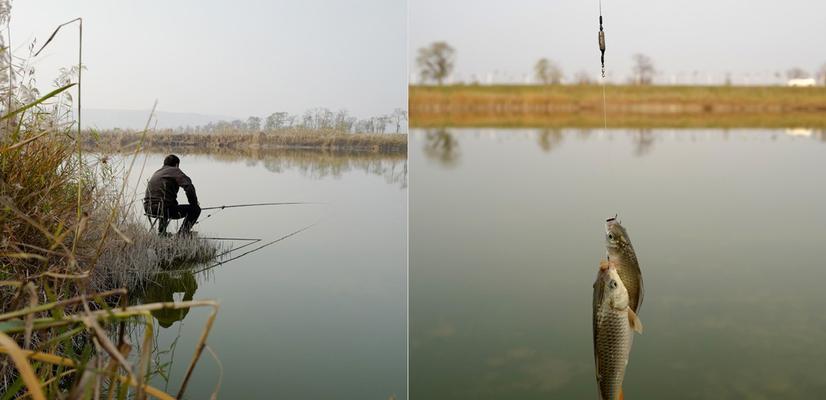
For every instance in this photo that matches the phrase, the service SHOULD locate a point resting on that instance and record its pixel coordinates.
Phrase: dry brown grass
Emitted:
(70, 242)
(384, 143)
(627, 106)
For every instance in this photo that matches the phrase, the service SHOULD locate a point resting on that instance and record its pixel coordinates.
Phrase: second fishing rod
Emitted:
(288, 203)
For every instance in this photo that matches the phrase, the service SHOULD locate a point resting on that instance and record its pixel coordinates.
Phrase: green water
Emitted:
(507, 231)
(319, 315)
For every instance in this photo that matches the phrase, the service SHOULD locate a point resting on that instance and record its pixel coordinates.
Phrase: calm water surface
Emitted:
(319, 315)
(507, 229)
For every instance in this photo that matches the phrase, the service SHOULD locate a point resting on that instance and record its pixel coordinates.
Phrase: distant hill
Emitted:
(136, 119)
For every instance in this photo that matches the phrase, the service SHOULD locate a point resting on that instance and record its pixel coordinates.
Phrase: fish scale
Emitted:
(613, 346)
(629, 271)
(621, 254)
(613, 326)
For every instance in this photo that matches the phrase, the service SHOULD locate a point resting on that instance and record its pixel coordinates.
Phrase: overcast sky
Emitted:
(757, 37)
(236, 58)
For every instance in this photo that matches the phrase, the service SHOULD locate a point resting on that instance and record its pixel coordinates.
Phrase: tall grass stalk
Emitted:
(79, 141)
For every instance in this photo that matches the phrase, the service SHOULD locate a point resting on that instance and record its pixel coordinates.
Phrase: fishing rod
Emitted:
(252, 242)
(259, 204)
(224, 207)
(265, 245)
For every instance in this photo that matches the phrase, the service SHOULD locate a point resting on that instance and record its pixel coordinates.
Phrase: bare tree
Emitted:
(254, 124)
(399, 117)
(276, 120)
(643, 69)
(435, 62)
(797, 73)
(547, 72)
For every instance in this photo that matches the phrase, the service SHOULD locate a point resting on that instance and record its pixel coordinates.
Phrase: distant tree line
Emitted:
(319, 120)
(436, 62)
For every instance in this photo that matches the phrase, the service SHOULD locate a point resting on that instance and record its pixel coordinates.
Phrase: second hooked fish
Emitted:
(622, 256)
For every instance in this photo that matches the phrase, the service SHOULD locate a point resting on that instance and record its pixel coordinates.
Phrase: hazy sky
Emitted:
(757, 37)
(234, 58)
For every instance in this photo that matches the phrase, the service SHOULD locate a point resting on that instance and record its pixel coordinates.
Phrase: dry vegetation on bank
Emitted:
(626, 106)
(332, 141)
(70, 252)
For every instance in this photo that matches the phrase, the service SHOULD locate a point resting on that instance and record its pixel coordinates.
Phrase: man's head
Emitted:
(172, 160)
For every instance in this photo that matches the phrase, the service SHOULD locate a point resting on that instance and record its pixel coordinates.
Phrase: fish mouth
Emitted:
(609, 223)
(612, 220)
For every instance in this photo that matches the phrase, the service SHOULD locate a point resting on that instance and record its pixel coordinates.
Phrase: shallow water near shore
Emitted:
(321, 314)
(507, 230)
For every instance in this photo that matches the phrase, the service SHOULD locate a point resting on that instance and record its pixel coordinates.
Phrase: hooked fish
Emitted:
(614, 324)
(621, 255)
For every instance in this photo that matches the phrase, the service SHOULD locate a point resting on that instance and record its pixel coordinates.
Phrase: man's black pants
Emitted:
(188, 212)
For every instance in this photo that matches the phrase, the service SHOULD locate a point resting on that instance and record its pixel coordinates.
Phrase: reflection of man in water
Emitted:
(161, 199)
(164, 289)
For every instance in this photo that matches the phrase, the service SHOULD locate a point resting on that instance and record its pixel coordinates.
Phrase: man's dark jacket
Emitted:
(163, 187)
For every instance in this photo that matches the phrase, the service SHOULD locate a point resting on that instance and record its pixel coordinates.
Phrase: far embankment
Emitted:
(625, 106)
(251, 143)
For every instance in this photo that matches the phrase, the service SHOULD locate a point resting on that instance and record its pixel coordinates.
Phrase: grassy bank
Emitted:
(626, 106)
(72, 251)
(335, 142)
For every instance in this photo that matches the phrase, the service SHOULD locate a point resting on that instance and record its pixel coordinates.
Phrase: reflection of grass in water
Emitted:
(595, 120)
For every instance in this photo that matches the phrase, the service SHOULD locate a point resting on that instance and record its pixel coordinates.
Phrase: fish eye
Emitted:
(612, 284)
(611, 236)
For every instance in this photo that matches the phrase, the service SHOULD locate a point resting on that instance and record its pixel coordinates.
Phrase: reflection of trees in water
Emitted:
(394, 170)
(315, 164)
(549, 139)
(584, 133)
(441, 146)
(643, 142)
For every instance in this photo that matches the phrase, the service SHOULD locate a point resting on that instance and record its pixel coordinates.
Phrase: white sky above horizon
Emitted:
(689, 40)
(228, 59)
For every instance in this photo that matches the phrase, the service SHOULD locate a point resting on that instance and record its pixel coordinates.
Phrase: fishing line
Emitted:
(252, 241)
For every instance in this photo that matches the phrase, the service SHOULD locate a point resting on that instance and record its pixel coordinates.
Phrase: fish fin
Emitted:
(634, 320)
(621, 395)
(604, 265)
